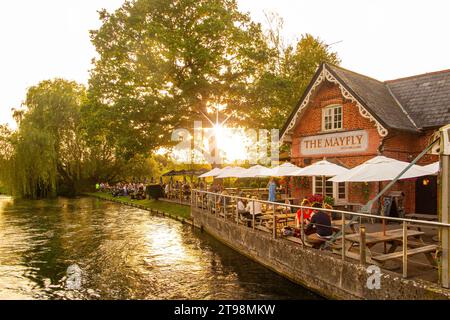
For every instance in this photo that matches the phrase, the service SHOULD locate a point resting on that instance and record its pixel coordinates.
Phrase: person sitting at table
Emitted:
(307, 213)
(319, 229)
(254, 208)
(223, 201)
(287, 209)
(210, 197)
(241, 207)
(242, 210)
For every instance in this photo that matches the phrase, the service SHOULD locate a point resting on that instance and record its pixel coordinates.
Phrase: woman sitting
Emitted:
(319, 229)
(254, 208)
(306, 212)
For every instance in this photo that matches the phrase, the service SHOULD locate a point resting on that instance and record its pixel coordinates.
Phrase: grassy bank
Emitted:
(2, 190)
(167, 207)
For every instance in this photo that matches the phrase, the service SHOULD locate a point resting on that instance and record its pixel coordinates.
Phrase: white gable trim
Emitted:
(326, 75)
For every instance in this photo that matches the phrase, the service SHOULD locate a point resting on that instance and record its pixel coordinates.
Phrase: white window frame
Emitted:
(329, 112)
(336, 198)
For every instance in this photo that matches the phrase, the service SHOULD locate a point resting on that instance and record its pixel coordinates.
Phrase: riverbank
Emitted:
(2, 191)
(172, 210)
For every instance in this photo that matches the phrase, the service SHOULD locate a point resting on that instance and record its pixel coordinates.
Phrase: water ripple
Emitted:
(120, 253)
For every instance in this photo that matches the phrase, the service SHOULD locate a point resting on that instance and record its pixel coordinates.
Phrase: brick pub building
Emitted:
(349, 118)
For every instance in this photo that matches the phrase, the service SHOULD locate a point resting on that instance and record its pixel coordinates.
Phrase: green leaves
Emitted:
(281, 85)
(47, 149)
(162, 62)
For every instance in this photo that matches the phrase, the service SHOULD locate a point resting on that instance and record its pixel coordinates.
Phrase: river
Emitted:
(86, 248)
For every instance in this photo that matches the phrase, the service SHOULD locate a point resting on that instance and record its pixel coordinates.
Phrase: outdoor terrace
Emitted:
(408, 246)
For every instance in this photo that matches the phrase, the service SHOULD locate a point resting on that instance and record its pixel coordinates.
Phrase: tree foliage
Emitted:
(162, 63)
(47, 149)
(285, 79)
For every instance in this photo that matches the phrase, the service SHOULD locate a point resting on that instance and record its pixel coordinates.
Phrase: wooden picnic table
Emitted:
(391, 237)
(426, 217)
(337, 225)
(270, 211)
(421, 216)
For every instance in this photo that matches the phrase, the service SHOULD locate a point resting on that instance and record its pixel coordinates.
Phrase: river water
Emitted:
(90, 249)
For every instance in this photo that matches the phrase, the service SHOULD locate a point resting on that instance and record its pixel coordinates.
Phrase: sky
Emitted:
(384, 39)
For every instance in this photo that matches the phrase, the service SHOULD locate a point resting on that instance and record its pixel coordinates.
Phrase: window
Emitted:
(332, 118)
(338, 191)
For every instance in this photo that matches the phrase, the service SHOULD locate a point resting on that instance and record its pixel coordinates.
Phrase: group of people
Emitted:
(132, 190)
(249, 208)
(317, 224)
(181, 189)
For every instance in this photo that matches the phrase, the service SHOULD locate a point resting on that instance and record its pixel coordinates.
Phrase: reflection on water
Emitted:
(89, 249)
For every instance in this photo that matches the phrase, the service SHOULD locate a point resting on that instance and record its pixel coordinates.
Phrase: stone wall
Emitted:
(319, 271)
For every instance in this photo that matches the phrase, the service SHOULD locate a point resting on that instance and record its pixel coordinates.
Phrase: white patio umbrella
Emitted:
(322, 168)
(432, 168)
(257, 171)
(231, 172)
(212, 173)
(285, 170)
(380, 168)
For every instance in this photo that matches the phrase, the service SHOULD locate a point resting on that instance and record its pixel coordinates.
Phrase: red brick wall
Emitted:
(311, 124)
(406, 147)
(402, 146)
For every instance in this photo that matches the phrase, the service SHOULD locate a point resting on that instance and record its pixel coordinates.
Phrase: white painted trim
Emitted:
(335, 191)
(332, 107)
(326, 75)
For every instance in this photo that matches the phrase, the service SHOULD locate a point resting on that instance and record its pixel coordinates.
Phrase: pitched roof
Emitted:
(407, 104)
(426, 97)
(376, 97)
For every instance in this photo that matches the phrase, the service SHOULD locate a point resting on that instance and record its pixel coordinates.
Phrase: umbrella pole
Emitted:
(384, 220)
(324, 186)
(287, 185)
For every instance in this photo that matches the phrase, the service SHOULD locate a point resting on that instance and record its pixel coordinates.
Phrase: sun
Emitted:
(231, 143)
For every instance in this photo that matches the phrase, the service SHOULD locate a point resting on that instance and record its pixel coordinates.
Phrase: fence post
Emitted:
(208, 203)
(302, 227)
(405, 249)
(362, 245)
(224, 207)
(196, 199)
(203, 201)
(253, 215)
(343, 236)
(274, 223)
(237, 210)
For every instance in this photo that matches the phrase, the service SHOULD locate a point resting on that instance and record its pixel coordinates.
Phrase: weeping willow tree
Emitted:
(6, 151)
(55, 150)
(47, 151)
(31, 170)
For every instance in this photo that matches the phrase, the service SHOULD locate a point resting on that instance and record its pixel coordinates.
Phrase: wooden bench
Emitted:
(262, 228)
(426, 217)
(389, 256)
